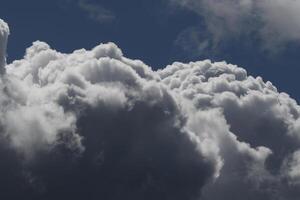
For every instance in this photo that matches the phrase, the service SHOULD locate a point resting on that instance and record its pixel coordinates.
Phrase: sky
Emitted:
(157, 32)
(151, 100)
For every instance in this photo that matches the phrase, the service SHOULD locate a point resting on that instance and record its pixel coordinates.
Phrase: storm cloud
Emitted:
(93, 124)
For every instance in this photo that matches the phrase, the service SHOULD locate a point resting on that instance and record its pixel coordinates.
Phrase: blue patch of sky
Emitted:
(143, 29)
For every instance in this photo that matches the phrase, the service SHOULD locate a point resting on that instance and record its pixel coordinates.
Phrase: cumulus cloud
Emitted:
(94, 124)
(4, 32)
(274, 22)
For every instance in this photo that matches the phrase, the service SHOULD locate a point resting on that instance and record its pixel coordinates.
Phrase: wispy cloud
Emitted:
(96, 12)
(274, 23)
(194, 42)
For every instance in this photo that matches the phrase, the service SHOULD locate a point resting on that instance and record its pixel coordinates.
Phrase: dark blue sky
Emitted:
(143, 29)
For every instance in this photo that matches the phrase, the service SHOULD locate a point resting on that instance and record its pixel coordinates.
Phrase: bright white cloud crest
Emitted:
(198, 130)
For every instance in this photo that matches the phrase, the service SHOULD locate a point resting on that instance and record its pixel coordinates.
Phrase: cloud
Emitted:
(273, 22)
(96, 12)
(4, 32)
(95, 124)
(194, 42)
(250, 122)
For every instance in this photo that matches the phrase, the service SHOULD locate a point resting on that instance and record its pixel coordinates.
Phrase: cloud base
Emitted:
(94, 124)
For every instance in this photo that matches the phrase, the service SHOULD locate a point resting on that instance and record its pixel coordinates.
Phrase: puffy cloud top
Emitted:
(94, 124)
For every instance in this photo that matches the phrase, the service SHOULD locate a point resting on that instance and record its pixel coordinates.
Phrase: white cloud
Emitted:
(4, 32)
(274, 22)
(96, 12)
(94, 123)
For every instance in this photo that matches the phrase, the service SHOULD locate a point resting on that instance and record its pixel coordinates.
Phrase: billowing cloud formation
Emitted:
(93, 124)
(272, 21)
(255, 128)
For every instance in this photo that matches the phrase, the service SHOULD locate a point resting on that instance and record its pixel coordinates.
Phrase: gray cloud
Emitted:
(95, 124)
(254, 126)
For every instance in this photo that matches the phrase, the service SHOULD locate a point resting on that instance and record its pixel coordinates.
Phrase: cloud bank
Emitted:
(273, 22)
(94, 124)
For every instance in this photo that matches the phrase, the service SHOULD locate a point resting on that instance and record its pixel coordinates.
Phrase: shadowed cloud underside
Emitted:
(94, 124)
